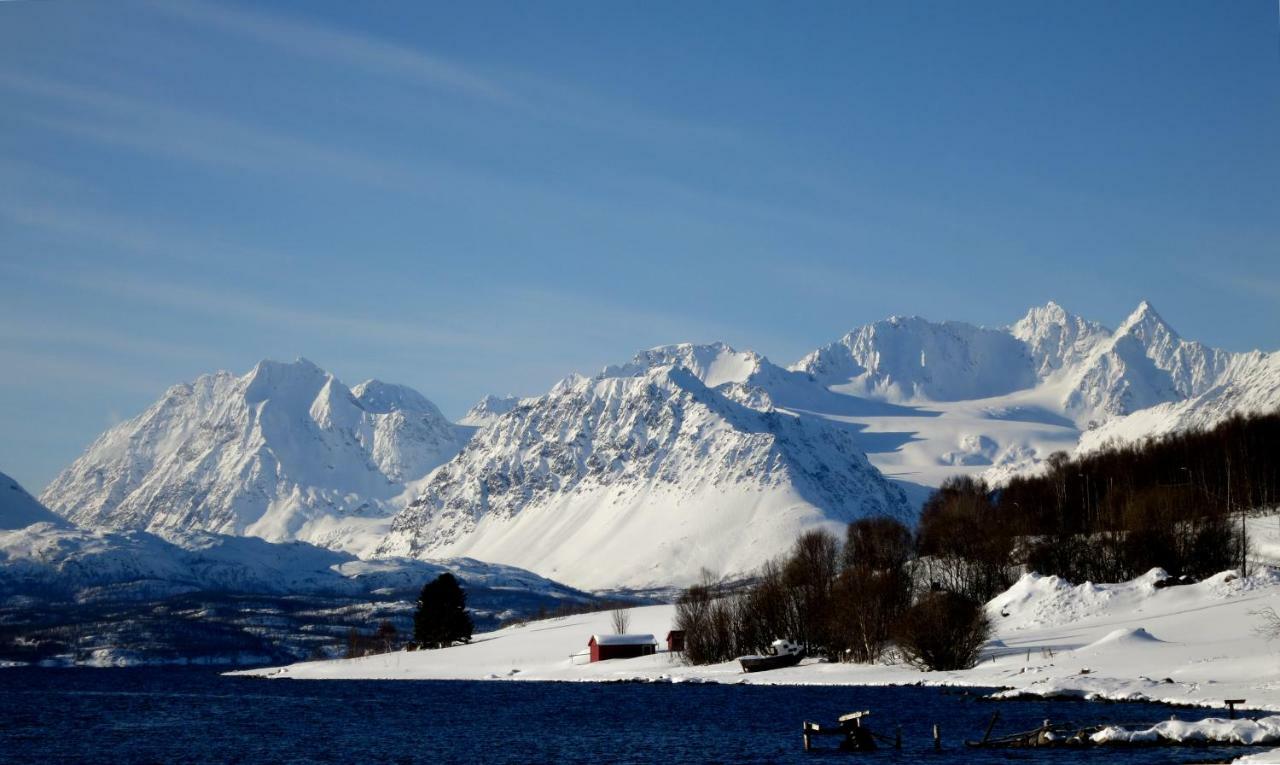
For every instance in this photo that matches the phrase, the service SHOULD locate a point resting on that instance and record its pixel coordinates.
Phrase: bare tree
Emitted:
(621, 620)
(1270, 623)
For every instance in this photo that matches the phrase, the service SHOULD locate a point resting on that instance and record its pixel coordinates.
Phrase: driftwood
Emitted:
(855, 737)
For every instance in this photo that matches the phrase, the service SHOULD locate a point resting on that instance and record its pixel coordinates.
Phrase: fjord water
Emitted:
(153, 715)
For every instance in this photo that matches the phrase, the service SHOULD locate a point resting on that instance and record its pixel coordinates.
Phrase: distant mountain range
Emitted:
(684, 457)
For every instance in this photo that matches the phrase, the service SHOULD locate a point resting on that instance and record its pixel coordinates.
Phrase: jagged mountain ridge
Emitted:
(284, 452)
(668, 440)
(1100, 374)
(488, 409)
(642, 476)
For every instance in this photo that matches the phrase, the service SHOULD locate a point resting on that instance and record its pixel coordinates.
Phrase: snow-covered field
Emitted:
(1192, 644)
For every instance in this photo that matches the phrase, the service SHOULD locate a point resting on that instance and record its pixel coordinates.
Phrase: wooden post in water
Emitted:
(1231, 707)
(937, 739)
(897, 738)
(990, 725)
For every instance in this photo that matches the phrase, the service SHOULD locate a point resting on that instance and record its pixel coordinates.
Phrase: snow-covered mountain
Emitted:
(1097, 373)
(685, 456)
(1250, 385)
(488, 409)
(642, 476)
(18, 509)
(84, 565)
(1003, 399)
(284, 452)
(911, 359)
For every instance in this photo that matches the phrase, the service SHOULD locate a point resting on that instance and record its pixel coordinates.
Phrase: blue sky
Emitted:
(485, 198)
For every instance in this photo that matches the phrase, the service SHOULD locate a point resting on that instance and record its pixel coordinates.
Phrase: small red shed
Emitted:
(675, 641)
(621, 646)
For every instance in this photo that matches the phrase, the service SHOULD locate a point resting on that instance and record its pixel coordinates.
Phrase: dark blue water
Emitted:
(163, 715)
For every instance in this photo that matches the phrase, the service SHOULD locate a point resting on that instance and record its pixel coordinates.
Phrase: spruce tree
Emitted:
(441, 618)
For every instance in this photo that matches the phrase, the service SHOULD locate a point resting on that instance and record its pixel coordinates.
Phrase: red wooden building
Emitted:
(621, 646)
(675, 641)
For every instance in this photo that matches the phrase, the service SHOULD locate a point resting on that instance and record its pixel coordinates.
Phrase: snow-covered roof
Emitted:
(623, 639)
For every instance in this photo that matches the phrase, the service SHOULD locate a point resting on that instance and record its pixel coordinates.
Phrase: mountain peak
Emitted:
(489, 409)
(285, 451)
(714, 363)
(1145, 321)
(382, 397)
(18, 509)
(270, 378)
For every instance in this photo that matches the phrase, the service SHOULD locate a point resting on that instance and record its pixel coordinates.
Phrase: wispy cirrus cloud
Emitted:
(309, 39)
(151, 239)
(241, 305)
(520, 91)
(209, 139)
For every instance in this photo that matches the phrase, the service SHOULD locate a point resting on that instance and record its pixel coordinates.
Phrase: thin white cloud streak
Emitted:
(151, 128)
(26, 369)
(521, 91)
(130, 237)
(236, 305)
(313, 40)
(47, 335)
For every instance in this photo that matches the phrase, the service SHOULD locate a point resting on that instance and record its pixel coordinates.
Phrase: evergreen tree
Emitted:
(441, 618)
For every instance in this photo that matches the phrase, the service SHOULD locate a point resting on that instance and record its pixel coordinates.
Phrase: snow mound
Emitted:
(1123, 638)
(1213, 730)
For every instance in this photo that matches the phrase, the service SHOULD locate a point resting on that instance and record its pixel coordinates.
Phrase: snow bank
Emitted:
(1212, 730)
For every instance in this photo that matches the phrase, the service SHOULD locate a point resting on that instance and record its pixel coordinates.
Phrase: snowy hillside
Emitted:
(48, 561)
(1251, 385)
(641, 476)
(911, 359)
(284, 452)
(19, 509)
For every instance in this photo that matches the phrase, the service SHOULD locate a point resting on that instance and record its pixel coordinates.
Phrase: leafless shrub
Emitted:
(943, 631)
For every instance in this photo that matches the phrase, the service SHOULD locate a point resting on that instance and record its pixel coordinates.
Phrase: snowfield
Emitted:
(1192, 644)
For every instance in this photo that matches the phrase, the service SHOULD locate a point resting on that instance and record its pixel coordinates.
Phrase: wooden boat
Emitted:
(765, 663)
(785, 654)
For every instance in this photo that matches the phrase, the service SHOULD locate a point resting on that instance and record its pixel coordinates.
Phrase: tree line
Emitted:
(1176, 502)
(844, 602)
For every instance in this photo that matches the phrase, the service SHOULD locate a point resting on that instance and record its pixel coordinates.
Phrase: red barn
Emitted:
(675, 641)
(621, 646)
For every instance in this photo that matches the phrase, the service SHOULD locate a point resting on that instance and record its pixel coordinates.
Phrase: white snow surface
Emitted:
(285, 452)
(641, 477)
(1213, 730)
(1192, 645)
(488, 409)
(997, 402)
